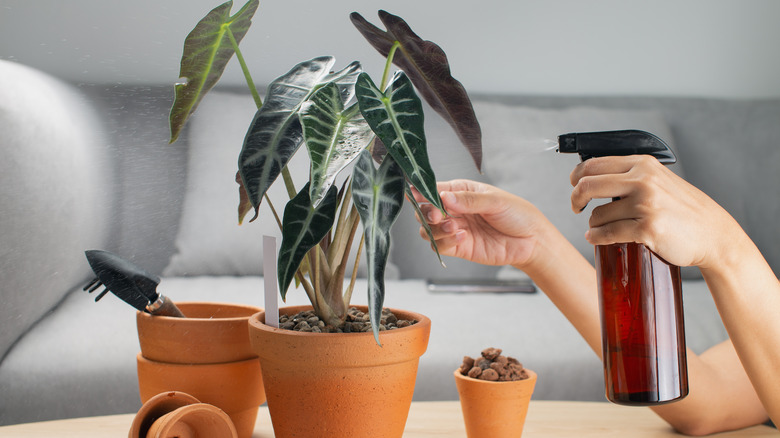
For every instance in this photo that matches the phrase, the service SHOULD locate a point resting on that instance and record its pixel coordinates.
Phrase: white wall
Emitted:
(721, 48)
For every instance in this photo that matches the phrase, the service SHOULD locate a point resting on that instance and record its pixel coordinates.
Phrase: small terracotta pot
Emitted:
(155, 408)
(181, 415)
(211, 333)
(494, 409)
(191, 421)
(334, 384)
(206, 355)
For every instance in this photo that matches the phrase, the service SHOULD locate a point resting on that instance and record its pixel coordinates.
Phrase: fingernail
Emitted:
(460, 235)
(448, 197)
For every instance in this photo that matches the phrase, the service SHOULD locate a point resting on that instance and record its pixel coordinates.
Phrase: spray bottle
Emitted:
(640, 295)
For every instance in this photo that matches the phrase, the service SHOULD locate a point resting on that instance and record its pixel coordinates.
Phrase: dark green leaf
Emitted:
(427, 66)
(303, 227)
(378, 196)
(333, 136)
(207, 50)
(396, 117)
(276, 133)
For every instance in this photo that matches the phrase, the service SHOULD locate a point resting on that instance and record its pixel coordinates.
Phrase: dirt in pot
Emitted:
(492, 366)
(357, 322)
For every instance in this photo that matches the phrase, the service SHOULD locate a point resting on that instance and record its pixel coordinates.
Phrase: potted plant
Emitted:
(344, 119)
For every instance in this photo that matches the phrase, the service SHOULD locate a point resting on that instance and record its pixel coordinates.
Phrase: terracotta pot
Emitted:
(329, 384)
(182, 415)
(206, 355)
(211, 333)
(191, 421)
(155, 408)
(494, 409)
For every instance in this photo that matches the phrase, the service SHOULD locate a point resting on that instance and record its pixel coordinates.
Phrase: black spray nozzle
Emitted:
(611, 143)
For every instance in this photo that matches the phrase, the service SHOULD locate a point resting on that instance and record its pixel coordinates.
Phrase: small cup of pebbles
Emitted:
(494, 391)
(494, 367)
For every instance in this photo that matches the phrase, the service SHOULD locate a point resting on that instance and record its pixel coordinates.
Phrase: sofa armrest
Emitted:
(55, 194)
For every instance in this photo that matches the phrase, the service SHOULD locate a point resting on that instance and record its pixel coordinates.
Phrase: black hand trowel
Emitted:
(128, 282)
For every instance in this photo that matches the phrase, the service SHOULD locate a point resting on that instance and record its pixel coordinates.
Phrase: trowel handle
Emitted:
(611, 143)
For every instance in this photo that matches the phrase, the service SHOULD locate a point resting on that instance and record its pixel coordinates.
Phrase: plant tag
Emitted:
(270, 279)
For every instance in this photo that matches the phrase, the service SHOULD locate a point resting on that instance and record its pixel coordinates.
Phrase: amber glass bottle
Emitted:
(643, 335)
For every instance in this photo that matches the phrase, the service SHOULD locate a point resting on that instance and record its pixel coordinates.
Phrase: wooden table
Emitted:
(431, 419)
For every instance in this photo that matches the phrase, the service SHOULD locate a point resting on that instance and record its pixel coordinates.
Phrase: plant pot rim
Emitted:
(258, 321)
(531, 377)
(251, 310)
(301, 348)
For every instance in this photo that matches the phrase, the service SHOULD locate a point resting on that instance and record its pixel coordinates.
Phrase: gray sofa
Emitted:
(89, 167)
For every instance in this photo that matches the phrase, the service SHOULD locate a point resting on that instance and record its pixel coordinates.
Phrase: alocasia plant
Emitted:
(344, 119)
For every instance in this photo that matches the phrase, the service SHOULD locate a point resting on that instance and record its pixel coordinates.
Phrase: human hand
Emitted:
(656, 207)
(485, 224)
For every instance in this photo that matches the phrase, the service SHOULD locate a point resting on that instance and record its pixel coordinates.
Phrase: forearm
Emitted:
(569, 280)
(733, 384)
(747, 294)
(720, 395)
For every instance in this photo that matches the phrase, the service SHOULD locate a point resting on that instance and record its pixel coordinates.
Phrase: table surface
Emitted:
(431, 419)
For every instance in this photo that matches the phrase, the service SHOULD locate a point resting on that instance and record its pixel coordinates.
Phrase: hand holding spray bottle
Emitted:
(640, 294)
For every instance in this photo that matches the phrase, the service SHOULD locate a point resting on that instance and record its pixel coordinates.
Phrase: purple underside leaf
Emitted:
(427, 66)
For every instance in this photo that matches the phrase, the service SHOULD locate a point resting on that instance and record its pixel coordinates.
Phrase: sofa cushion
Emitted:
(55, 194)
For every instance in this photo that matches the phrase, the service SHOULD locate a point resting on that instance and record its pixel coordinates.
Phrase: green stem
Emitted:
(288, 182)
(386, 76)
(390, 56)
(249, 82)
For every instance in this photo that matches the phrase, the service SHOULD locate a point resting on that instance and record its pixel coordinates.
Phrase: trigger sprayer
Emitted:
(640, 294)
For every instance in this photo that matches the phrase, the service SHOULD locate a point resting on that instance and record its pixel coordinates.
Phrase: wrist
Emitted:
(732, 255)
(729, 247)
(549, 247)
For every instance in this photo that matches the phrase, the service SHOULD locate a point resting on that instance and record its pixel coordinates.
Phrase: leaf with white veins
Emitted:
(396, 116)
(276, 132)
(303, 227)
(334, 137)
(378, 195)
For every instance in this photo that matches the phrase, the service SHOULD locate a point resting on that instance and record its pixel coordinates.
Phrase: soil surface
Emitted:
(492, 366)
(356, 322)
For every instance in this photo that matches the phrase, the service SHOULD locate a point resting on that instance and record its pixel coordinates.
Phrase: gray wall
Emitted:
(712, 48)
